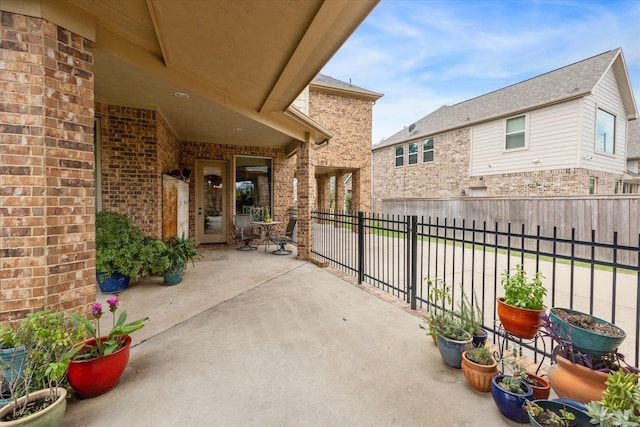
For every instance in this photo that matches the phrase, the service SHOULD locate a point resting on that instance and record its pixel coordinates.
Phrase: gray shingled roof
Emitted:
(330, 81)
(633, 139)
(568, 82)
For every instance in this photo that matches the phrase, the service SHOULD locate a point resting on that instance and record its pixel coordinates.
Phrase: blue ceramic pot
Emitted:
(587, 342)
(112, 284)
(173, 277)
(13, 365)
(480, 338)
(582, 419)
(451, 350)
(510, 404)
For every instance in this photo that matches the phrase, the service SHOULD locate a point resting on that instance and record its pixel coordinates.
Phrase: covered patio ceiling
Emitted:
(241, 62)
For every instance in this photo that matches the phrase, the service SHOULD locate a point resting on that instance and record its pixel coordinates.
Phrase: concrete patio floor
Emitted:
(254, 339)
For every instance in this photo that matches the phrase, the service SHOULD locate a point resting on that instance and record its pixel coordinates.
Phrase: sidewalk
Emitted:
(260, 340)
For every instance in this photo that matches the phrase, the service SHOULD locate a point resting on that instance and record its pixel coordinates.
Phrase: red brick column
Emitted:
(47, 244)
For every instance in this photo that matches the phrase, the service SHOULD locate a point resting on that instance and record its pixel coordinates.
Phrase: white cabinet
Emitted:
(175, 207)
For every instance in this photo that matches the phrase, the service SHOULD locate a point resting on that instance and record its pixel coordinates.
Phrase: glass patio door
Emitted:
(211, 208)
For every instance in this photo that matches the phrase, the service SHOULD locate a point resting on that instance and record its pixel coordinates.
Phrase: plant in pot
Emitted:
(101, 360)
(178, 253)
(551, 413)
(48, 340)
(122, 252)
(620, 403)
(439, 295)
(509, 394)
(575, 375)
(479, 367)
(540, 386)
(520, 310)
(12, 361)
(472, 318)
(451, 338)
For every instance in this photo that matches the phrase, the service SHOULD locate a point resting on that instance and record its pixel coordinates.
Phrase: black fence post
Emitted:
(360, 247)
(413, 259)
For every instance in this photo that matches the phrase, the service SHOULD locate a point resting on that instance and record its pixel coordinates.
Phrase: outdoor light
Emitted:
(181, 95)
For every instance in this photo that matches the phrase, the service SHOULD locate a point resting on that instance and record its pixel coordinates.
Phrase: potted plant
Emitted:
(509, 394)
(439, 295)
(48, 341)
(479, 367)
(12, 361)
(589, 334)
(123, 253)
(540, 386)
(472, 318)
(100, 360)
(451, 338)
(550, 413)
(575, 375)
(620, 403)
(179, 251)
(520, 310)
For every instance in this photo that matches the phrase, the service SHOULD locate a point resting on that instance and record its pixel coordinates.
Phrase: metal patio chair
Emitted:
(283, 239)
(245, 231)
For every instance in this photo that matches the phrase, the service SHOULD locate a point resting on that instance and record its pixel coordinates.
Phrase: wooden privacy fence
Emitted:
(613, 219)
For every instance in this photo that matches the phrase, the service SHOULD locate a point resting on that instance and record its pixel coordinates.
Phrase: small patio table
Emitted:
(268, 226)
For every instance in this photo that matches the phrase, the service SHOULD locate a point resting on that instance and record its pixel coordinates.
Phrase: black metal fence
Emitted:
(398, 253)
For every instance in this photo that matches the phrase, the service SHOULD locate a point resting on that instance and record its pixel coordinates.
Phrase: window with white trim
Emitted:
(427, 150)
(515, 136)
(399, 155)
(413, 153)
(593, 184)
(605, 132)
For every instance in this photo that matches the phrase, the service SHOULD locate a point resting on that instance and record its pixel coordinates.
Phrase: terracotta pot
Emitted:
(576, 382)
(93, 377)
(540, 392)
(519, 322)
(51, 416)
(478, 376)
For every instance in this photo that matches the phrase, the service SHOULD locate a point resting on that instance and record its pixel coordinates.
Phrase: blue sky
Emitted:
(422, 54)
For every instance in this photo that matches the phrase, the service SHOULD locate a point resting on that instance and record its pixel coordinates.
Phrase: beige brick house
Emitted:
(560, 133)
(101, 98)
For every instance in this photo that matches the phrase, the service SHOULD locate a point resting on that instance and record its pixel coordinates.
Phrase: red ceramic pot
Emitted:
(93, 377)
(519, 322)
(540, 392)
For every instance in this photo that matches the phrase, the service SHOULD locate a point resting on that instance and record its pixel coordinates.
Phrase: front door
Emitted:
(211, 208)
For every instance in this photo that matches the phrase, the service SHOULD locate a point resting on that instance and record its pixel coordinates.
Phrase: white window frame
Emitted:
(525, 131)
(396, 156)
(413, 150)
(431, 150)
(596, 143)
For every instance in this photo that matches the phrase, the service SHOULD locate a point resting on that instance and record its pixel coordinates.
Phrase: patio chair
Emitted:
(283, 239)
(245, 231)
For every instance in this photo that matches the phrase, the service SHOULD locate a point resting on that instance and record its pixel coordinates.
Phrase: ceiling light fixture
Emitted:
(181, 95)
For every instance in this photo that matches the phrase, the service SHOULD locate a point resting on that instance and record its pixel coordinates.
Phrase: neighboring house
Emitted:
(630, 183)
(100, 101)
(560, 133)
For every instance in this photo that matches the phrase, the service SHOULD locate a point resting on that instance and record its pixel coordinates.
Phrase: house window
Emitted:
(399, 155)
(413, 153)
(427, 150)
(605, 132)
(593, 181)
(515, 135)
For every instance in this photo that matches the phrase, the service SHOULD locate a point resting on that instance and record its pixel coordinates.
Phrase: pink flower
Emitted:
(113, 303)
(96, 310)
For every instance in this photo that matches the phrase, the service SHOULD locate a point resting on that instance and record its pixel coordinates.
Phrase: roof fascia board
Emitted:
(345, 91)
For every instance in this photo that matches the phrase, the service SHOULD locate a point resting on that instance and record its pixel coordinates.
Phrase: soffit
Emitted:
(243, 62)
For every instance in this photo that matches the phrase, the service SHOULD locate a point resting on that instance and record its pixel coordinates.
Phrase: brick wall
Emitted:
(448, 176)
(350, 120)
(47, 247)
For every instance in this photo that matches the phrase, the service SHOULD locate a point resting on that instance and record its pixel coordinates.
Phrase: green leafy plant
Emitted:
(179, 251)
(519, 292)
(620, 404)
(471, 316)
(480, 355)
(121, 247)
(563, 418)
(115, 338)
(439, 296)
(8, 337)
(512, 384)
(48, 339)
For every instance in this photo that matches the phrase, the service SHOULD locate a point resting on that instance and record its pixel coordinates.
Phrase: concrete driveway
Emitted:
(261, 340)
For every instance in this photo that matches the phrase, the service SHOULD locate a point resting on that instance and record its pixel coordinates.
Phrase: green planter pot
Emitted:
(51, 416)
(173, 277)
(587, 342)
(13, 366)
(582, 419)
